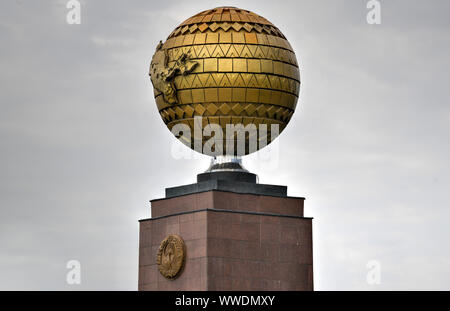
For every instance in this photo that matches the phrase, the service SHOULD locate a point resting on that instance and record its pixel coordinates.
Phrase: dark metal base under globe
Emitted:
(227, 174)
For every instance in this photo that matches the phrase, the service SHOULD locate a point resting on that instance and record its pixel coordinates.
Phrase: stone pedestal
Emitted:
(234, 241)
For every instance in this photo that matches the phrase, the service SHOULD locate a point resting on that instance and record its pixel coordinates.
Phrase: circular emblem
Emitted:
(171, 256)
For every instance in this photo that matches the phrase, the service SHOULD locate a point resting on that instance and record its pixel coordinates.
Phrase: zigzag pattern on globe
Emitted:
(244, 71)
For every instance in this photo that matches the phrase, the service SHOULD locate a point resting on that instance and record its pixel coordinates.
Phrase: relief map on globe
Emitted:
(229, 72)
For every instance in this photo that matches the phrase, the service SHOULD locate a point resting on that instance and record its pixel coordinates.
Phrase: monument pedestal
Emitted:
(236, 237)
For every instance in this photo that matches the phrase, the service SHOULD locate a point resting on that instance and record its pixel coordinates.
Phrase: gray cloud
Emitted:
(83, 148)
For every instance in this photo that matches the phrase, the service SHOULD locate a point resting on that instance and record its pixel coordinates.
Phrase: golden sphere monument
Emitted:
(226, 66)
(226, 83)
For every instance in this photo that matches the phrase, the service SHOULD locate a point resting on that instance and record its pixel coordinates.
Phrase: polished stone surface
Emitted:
(233, 242)
(238, 182)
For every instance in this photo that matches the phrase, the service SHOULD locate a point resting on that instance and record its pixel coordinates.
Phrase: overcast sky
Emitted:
(83, 149)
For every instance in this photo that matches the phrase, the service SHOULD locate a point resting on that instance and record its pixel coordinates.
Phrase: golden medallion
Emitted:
(171, 256)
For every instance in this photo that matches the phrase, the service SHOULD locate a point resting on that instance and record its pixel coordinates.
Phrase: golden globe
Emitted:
(226, 66)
